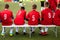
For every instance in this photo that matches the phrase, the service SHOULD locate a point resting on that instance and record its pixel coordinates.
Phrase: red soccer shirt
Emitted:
(33, 17)
(57, 17)
(19, 20)
(6, 17)
(46, 15)
(53, 4)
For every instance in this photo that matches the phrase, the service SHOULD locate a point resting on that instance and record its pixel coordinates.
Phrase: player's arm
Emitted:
(27, 17)
(42, 16)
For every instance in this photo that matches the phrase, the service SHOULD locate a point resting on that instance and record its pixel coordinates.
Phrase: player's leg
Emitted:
(3, 31)
(24, 30)
(46, 30)
(42, 31)
(32, 29)
(11, 31)
(17, 30)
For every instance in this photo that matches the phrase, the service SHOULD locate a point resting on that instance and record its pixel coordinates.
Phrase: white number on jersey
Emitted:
(19, 13)
(33, 17)
(53, 15)
(49, 15)
(5, 16)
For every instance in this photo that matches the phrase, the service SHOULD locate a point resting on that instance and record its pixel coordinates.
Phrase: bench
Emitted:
(26, 25)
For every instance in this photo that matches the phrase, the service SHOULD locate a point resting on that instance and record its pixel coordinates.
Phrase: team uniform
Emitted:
(33, 18)
(53, 4)
(20, 17)
(46, 15)
(6, 17)
(57, 17)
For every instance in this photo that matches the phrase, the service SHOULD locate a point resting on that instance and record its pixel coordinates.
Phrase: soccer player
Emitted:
(6, 17)
(57, 16)
(46, 18)
(33, 17)
(20, 19)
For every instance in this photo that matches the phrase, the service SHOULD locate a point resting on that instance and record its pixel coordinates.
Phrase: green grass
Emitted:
(14, 7)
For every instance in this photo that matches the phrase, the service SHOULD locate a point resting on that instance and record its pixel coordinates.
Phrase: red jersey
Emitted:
(46, 15)
(6, 17)
(33, 17)
(53, 4)
(19, 20)
(57, 17)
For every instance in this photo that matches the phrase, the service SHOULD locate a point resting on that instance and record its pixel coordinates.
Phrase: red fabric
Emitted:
(57, 0)
(46, 17)
(33, 17)
(6, 17)
(7, 0)
(19, 20)
(57, 17)
(53, 4)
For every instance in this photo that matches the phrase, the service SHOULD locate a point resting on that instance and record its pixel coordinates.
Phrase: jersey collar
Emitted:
(5, 9)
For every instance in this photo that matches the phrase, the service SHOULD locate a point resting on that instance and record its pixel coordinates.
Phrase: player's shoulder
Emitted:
(35, 11)
(48, 9)
(57, 10)
(24, 10)
(6, 10)
(9, 10)
(43, 10)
